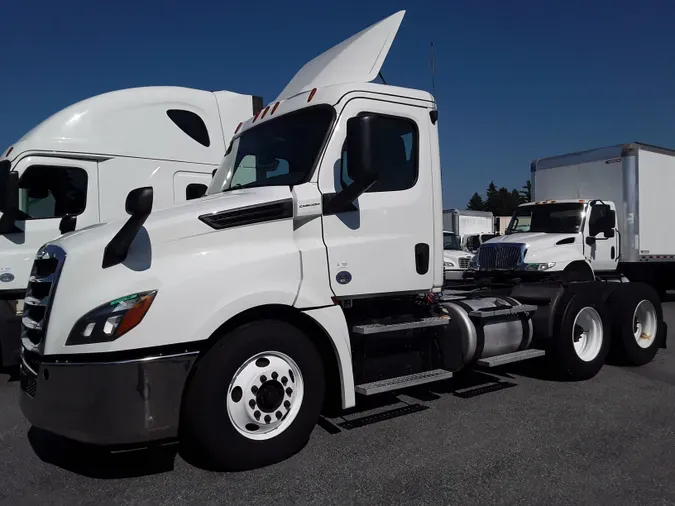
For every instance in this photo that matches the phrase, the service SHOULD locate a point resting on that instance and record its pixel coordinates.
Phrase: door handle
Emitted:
(422, 258)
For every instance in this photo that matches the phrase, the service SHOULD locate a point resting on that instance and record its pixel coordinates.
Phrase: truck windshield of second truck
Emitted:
(451, 241)
(547, 218)
(278, 152)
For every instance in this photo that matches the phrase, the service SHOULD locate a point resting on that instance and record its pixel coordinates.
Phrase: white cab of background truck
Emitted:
(310, 273)
(82, 162)
(604, 212)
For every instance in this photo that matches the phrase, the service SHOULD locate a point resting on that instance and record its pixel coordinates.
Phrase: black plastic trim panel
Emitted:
(280, 210)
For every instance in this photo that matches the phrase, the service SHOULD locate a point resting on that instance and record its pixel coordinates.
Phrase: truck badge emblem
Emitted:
(343, 277)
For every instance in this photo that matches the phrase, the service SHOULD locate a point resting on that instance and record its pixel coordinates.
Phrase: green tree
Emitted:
(491, 197)
(476, 203)
(526, 192)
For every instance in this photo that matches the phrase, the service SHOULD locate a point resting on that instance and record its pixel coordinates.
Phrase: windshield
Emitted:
(451, 241)
(279, 152)
(548, 218)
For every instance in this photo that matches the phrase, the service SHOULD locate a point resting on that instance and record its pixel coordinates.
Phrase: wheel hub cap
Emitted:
(265, 395)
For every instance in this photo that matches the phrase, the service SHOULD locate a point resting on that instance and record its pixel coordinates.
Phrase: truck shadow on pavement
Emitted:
(102, 463)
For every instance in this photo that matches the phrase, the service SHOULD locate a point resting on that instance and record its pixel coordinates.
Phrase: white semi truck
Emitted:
(75, 169)
(311, 273)
(601, 213)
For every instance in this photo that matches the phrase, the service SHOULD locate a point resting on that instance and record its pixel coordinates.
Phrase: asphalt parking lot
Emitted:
(610, 440)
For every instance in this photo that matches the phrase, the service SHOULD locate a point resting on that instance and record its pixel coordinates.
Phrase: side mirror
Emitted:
(38, 192)
(362, 166)
(195, 191)
(360, 144)
(67, 223)
(9, 199)
(138, 206)
(139, 202)
(605, 223)
(9, 183)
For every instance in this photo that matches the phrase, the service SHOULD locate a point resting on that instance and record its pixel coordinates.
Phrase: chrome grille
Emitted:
(41, 288)
(500, 256)
(464, 262)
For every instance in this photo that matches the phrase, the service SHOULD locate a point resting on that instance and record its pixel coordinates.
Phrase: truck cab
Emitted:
(80, 163)
(310, 273)
(573, 239)
(456, 260)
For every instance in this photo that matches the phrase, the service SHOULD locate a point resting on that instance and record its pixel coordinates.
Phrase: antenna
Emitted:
(433, 71)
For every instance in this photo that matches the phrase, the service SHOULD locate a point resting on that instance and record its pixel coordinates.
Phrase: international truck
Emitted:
(74, 170)
(601, 213)
(309, 275)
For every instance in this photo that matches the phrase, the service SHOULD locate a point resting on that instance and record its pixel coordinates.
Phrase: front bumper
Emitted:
(454, 274)
(105, 403)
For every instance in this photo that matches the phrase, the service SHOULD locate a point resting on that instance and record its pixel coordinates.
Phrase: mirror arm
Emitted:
(338, 202)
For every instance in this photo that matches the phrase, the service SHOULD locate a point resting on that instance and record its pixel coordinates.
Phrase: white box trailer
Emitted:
(629, 184)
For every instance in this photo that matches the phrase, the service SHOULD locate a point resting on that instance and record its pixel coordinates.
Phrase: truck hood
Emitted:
(172, 224)
(452, 255)
(535, 241)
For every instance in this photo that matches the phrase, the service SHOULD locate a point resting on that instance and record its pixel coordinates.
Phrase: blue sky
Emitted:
(515, 80)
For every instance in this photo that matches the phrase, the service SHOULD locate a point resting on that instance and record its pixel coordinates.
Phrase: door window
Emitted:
(395, 153)
(52, 192)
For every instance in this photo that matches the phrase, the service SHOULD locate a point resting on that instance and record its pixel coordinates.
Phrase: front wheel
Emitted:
(254, 398)
(581, 337)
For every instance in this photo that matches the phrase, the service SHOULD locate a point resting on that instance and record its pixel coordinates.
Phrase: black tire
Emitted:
(208, 436)
(561, 353)
(623, 303)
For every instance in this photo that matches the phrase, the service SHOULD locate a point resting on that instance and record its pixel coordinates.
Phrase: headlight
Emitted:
(473, 264)
(111, 320)
(539, 267)
(448, 265)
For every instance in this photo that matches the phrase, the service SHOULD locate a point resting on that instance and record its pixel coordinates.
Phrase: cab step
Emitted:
(377, 328)
(509, 358)
(411, 380)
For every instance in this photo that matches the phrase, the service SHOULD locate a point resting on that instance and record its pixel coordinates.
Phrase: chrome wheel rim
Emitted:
(645, 324)
(587, 334)
(265, 395)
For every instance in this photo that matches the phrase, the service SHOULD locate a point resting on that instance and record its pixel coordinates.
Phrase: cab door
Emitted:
(602, 253)
(49, 188)
(385, 243)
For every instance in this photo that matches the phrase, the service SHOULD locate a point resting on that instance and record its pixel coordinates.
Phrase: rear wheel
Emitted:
(254, 398)
(581, 337)
(637, 324)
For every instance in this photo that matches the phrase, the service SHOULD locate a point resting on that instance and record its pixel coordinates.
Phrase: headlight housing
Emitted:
(538, 266)
(473, 264)
(111, 320)
(447, 264)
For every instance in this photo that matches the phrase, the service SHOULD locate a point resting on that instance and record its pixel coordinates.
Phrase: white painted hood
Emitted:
(355, 60)
(534, 240)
